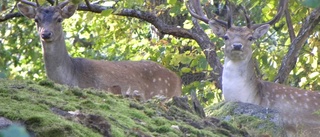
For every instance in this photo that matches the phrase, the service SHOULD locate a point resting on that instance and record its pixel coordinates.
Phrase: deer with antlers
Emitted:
(240, 83)
(141, 79)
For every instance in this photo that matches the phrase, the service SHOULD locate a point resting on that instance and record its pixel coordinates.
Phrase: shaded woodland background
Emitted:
(163, 31)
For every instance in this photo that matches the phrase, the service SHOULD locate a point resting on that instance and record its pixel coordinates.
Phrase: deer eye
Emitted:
(250, 38)
(59, 20)
(225, 37)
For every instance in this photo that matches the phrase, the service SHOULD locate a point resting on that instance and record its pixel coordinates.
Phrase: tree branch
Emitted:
(10, 16)
(88, 4)
(82, 7)
(289, 61)
(93, 8)
(289, 24)
(209, 50)
(159, 24)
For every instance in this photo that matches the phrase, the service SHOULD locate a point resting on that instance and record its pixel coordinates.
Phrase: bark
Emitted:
(290, 59)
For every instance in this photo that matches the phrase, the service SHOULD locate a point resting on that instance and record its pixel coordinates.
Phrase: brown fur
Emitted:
(297, 107)
(145, 79)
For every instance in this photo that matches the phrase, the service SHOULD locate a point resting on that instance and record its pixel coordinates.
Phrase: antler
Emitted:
(31, 3)
(61, 5)
(282, 6)
(247, 16)
(198, 13)
(197, 6)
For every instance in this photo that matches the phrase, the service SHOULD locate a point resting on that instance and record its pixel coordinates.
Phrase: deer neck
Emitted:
(58, 63)
(239, 81)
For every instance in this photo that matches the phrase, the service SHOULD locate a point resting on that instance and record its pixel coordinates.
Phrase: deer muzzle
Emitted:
(46, 35)
(237, 46)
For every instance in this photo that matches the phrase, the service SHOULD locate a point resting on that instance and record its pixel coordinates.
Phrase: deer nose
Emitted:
(237, 46)
(46, 35)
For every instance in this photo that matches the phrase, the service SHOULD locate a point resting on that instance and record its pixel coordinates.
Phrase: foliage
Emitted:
(311, 3)
(110, 37)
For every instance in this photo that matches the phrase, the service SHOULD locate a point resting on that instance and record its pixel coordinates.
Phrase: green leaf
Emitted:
(106, 12)
(172, 2)
(76, 1)
(185, 70)
(311, 3)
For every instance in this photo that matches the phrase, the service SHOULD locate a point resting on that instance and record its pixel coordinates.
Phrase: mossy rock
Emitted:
(256, 120)
(49, 110)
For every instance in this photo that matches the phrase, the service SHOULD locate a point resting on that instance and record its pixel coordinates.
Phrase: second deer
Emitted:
(143, 79)
(297, 107)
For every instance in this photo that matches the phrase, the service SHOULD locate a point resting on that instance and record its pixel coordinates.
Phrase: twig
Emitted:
(289, 24)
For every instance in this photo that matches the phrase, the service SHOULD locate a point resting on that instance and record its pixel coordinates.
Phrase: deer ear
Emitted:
(27, 11)
(261, 30)
(217, 28)
(69, 10)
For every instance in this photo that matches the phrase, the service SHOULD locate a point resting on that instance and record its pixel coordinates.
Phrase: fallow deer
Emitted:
(297, 107)
(144, 79)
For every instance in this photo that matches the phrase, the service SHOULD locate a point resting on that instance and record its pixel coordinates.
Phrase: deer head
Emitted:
(238, 39)
(298, 108)
(48, 19)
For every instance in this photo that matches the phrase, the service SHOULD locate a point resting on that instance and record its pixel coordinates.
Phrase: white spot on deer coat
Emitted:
(291, 96)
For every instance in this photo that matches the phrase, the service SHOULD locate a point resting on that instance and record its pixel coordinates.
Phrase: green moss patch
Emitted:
(50, 110)
(256, 126)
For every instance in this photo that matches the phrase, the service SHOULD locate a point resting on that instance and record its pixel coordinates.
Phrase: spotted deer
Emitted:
(143, 79)
(297, 107)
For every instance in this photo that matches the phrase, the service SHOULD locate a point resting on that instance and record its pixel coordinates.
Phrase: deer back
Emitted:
(142, 79)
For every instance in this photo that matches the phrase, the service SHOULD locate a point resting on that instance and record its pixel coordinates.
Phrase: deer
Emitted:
(141, 79)
(240, 83)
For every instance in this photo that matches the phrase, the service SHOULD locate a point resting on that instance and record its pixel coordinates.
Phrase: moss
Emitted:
(253, 125)
(149, 112)
(31, 103)
(46, 83)
(105, 107)
(3, 90)
(220, 109)
(87, 104)
(136, 105)
(163, 129)
(78, 92)
(173, 134)
(34, 121)
(117, 132)
(160, 121)
(137, 114)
